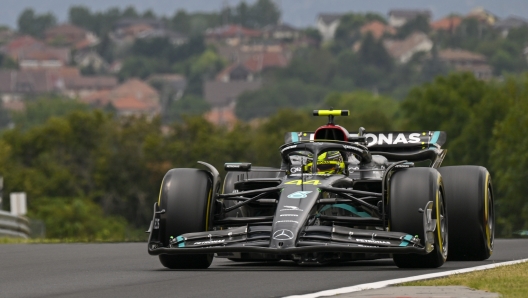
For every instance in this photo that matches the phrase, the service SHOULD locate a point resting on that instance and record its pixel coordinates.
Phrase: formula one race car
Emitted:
(336, 197)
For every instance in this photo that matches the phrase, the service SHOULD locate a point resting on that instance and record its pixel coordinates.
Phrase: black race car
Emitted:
(337, 197)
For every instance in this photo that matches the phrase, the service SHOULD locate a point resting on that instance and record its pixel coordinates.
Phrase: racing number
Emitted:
(299, 182)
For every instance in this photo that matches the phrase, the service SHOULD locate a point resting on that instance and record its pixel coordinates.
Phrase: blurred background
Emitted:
(98, 102)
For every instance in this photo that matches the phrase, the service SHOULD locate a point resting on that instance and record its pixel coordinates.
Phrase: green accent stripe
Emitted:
(348, 208)
(408, 238)
(294, 137)
(181, 240)
(435, 137)
(404, 243)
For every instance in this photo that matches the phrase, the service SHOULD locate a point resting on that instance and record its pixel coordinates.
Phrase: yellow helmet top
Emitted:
(330, 162)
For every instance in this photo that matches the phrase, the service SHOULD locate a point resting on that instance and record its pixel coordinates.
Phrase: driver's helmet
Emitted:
(330, 162)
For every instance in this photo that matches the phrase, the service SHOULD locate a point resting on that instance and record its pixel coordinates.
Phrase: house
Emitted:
(171, 85)
(398, 17)
(223, 94)
(235, 72)
(79, 86)
(15, 84)
(231, 34)
(133, 97)
(91, 59)
(126, 31)
(127, 23)
(44, 57)
(377, 29)
(132, 106)
(175, 38)
(449, 24)
(327, 24)
(281, 32)
(21, 44)
(512, 22)
(261, 61)
(403, 50)
(70, 35)
(240, 53)
(484, 16)
(462, 60)
(224, 116)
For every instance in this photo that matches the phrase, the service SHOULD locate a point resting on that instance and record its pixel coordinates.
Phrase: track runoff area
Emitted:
(386, 283)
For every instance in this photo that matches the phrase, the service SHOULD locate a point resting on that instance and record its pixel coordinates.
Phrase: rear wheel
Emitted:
(471, 211)
(186, 198)
(410, 190)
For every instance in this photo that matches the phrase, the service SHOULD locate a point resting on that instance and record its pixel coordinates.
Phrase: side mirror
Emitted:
(237, 167)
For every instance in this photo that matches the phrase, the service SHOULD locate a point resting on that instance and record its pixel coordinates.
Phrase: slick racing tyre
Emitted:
(186, 198)
(410, 190)
(469, 198)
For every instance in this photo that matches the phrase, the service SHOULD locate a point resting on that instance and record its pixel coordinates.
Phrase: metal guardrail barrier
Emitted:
(13, 226)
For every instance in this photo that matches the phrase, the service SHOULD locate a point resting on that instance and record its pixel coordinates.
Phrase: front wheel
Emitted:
(410, 190)
(471, 211)
(185, 196)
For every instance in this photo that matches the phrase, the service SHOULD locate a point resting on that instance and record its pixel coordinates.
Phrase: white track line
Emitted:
(382, 284)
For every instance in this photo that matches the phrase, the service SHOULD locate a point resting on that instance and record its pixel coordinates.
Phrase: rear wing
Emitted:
(413, 146)
(381, 141)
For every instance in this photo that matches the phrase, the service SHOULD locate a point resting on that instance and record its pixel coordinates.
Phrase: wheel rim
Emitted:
(443, 225)
(491, 220)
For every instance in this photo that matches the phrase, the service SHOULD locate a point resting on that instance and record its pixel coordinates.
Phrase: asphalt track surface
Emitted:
(126, 270)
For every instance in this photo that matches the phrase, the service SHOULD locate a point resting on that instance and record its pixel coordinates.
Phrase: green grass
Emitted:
(9, 240)
(510, 281)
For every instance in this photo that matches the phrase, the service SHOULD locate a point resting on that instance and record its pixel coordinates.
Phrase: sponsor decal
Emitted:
(289, 147)
(289, 215)
(295, 169)
(402, 166)
(291, 208)
(299, 194)
(233, 166)
(392, 139)
(299, 182)
(361, 245)
(283, 234)
(372, 241)
(209, 242)
(352, 148)
(293, 221)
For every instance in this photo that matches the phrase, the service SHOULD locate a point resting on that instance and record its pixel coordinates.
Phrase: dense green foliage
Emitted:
(35, 24)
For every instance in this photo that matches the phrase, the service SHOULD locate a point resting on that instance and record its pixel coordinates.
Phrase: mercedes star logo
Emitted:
(283, 235)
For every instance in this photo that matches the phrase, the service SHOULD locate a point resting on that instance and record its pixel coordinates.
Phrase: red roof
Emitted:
(447, 23)
(222, 116)
(22, 42)
(258, 62)
(130, 103)
(377, 29)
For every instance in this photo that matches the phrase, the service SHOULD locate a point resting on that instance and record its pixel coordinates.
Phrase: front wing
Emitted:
(256, 238)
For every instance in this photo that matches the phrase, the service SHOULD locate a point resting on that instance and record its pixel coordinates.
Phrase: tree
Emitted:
(82, 17)
(418, 24)
(450, 104)
(141, 67)
(33, 24)
(188, 105)
(38, 111)
(509, 158)
(78, 218)
(7, 62)
(258, 15)
(365, 110)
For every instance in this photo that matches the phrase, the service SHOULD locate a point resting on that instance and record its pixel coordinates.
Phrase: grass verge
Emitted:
(510, 281)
